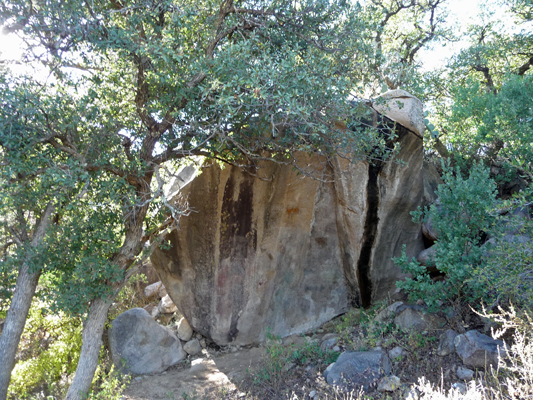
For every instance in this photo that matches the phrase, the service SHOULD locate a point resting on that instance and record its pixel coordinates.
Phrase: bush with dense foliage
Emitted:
(50, 348)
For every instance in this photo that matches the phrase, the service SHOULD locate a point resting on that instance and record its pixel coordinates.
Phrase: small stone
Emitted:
(411, 393)
(337, 349)
(446, 343)
(413, 319)
(464, 373)
(328, 344)
(388, 312)
(152, 289)
(312, 394)
(184, 330)
(461, 387)
(167, 306)
(241, 394)
(162, 292)
(329, 336)
(287, 367)
(203, 343)
(396, 353)
(389, 383)
(138, 378)
(192, 347)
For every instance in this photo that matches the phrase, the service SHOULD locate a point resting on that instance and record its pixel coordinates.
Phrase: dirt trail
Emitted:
(210, 376)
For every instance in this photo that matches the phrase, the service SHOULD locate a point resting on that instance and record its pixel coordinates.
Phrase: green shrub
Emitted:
(461, 220)
(506, 273)
(492, 272)
(108, 385)
(50, 348)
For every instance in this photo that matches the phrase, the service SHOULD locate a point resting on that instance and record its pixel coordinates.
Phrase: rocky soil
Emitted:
(417, 345)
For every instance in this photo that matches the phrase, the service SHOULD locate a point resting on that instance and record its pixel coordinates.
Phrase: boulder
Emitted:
(358, 368)
(184, 330)
(411, 318)
(273, 249)
(478, 350)
(402, 107)
(140, 345)
(167, 306)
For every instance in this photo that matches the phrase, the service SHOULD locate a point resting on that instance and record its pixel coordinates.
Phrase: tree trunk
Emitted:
(93, 330)
(19, 308)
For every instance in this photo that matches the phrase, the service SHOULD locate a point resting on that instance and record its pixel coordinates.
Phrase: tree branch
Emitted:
(486, 73)
(525, 67)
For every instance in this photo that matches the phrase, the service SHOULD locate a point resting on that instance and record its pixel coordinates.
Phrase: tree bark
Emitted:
(90, 349)
(19, 308)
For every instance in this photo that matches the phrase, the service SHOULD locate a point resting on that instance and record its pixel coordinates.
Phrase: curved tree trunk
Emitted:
(90, 349)
(19, 308)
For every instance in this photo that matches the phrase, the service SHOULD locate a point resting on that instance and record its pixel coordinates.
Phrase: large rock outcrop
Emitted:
(288, 253)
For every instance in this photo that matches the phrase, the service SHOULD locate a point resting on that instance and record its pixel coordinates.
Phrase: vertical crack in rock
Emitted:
(369, 236)
(391, 132)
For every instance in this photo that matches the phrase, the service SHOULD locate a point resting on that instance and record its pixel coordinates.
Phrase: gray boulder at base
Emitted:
(478, 350)
(358, 368)
(289, 253)
(140, 345)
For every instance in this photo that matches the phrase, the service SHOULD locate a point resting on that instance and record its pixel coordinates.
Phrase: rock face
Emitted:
(140, 345)
(288, 253)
